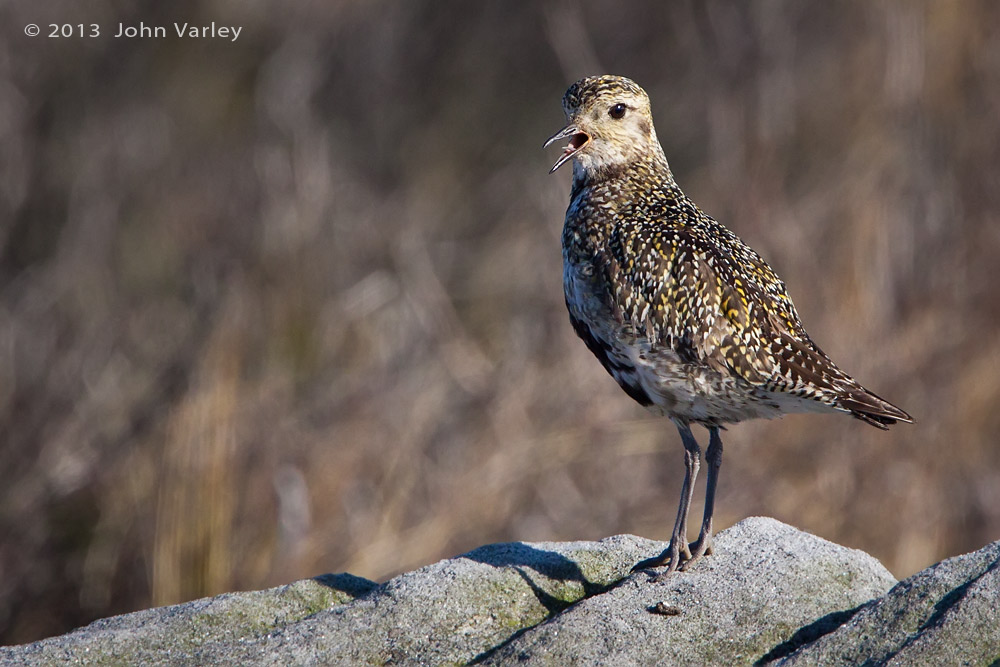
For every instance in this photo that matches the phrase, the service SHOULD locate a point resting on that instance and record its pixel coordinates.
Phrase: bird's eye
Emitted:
(617, 111)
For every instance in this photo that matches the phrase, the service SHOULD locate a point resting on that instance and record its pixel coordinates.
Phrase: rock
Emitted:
(948, 614)
(175, 633)
(769, 594)
(454, 610)
(764, 581)
(450, 611)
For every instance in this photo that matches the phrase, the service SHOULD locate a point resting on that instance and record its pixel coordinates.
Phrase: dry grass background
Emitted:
(292, 304)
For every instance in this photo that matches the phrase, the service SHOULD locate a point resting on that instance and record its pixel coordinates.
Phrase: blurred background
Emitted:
(292, 304)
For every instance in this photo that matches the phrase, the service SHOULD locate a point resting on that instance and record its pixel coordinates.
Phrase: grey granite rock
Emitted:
(177, 633)
(453, 610)
(764, 581)
(769, 594)
(948, 614)
(448, 612)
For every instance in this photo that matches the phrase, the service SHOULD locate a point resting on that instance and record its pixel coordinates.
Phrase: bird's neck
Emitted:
(646, 169)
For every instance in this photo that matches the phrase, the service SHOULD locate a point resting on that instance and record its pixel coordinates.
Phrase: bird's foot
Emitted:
(673, 557)
(700, 547)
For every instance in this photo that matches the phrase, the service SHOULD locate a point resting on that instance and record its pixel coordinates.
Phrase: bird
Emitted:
(689, 320)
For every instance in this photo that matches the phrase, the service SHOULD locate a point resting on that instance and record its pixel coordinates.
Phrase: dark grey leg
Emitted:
(678, 540)
(692, 462)
(713, 457)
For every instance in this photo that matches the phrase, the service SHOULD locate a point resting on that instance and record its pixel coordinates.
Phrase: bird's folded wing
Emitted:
(716, 305)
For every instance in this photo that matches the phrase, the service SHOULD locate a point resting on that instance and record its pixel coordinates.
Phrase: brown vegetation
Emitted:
(293, 304)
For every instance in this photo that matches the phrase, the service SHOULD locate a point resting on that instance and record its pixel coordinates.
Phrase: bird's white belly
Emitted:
(692, 391)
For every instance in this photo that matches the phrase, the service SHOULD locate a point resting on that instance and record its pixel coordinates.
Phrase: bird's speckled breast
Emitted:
(653, 374)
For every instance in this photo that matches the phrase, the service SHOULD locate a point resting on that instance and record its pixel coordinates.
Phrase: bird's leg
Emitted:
(692, 462)
(678, 540)
(713, 457)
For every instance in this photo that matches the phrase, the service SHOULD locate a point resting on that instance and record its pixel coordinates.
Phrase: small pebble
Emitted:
(664, 609)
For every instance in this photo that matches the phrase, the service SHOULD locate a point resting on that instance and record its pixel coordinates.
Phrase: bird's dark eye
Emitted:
(617, 111)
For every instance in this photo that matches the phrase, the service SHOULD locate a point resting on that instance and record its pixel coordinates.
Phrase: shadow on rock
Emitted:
(529, 561)
(349, 584)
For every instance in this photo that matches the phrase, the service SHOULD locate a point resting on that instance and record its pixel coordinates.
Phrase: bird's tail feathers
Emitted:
(873, 409)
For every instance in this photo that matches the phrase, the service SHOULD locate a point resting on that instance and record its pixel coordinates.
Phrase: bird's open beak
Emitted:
(577, 140)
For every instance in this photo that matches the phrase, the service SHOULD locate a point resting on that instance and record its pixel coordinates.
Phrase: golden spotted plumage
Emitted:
(689, 320)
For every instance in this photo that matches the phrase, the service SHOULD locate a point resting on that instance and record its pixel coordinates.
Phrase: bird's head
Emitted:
(609, 124)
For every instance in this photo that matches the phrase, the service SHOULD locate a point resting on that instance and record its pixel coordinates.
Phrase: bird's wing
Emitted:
(716, 302)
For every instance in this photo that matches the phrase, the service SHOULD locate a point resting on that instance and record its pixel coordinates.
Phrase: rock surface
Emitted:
(764, 581)
(948, 614)
(769, 595)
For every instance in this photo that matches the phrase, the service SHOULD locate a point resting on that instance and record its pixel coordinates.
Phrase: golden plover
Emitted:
(689, 320)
